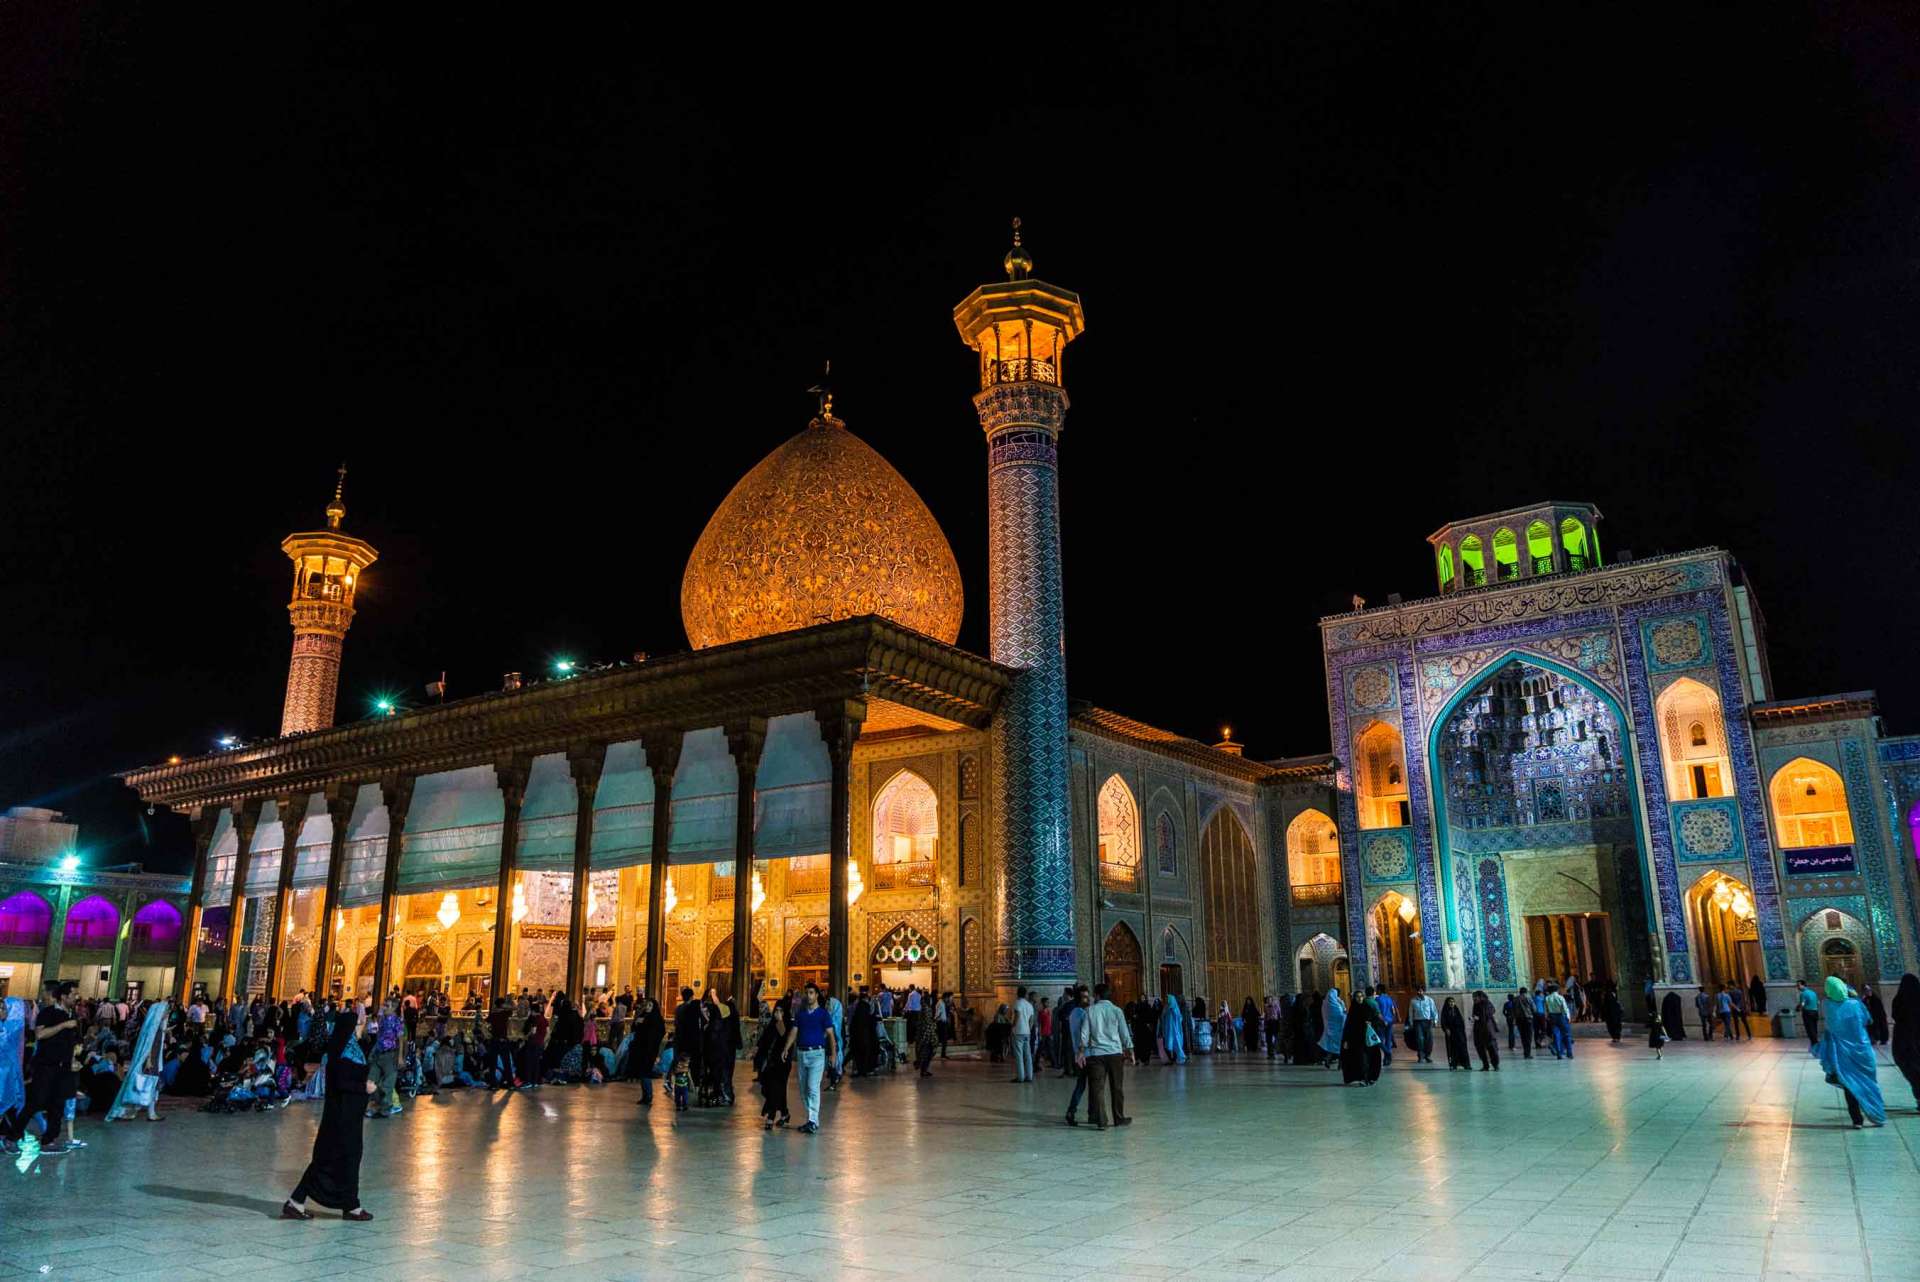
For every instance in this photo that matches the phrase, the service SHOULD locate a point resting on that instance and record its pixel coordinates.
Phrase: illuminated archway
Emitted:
(906, 956)
(156, 928)
(1120, 959)
(1835, 942)
(1119, 836)
(1322, 965)
(1313, 858)
(1810, 805)
(1443, 559)
(906, 829)
(1693, 742)
(1506, 555)
(1393, 941)
(1724, 923)
(1575, 543)
(92, 923)
(720, 967)
(1473, 562)
(26, 921)
(1540, 547)
(806, 961)
(1229, 881)
(1380, 777)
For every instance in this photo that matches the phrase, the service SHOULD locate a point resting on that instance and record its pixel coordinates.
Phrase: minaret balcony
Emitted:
(1022, 371)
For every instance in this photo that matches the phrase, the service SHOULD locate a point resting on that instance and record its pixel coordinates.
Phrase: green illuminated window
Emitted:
(1445, 557)
(1573, 537)
(1473, 563)
(1506, 555)
(1540, 547)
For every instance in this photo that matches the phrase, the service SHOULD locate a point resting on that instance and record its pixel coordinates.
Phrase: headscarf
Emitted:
(141, 1085)
(1836, 989)
(13, 1036)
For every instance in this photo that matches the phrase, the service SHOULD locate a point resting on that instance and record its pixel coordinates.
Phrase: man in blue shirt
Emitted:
(1810, 1012)
(1383, 1002)
(813, 1045)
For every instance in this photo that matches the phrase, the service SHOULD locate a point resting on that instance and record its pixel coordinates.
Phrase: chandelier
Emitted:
(854, 885)
(1731, 897)
(593, 897)
(759, 892)
(519, 910)
(672, 898)
(1407, 911)
(339, 921)
(449, 910)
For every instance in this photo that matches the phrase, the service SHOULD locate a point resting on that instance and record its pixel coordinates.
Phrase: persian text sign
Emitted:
(1818, 861)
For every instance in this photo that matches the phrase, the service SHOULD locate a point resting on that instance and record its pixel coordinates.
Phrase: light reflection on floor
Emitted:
(1716, 1160)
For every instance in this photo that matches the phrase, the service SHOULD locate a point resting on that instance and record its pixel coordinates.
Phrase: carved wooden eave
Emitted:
(853, 660)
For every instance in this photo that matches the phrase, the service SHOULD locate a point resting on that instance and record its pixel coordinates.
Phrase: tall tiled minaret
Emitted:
(1020, 328)
(326, 572)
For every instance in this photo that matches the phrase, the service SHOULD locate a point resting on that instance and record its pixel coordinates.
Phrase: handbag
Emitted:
(1406, 1035)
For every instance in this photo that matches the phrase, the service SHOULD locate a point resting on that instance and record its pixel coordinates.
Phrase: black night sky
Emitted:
(551, 287)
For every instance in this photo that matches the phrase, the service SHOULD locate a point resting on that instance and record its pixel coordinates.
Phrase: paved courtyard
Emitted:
(1714, 1162)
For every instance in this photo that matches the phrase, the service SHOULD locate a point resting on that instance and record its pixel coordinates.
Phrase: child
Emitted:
(1656, 1032)
(682, 1085)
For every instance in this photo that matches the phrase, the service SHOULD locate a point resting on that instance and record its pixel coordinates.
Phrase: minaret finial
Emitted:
(1018, 262)
(337, 510)
(824, 390)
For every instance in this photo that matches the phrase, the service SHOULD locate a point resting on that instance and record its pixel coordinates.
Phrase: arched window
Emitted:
(156, 928)
(1473, 563)
(1506, 555)
(92, 923)
(25, 921)
(1693, 742)
(1119, 836)
(1380, 777)
(1810, 805)
(906, 826)
(1573, 540)
(1313, 858)
(1540, 547)
(1166, 844)
(1444, 557)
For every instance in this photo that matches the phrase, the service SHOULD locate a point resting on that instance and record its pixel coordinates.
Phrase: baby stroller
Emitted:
(889, 1054)
(412, 1078)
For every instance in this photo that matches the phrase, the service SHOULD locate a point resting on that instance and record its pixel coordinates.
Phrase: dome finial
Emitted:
(824, 390)
(1017, 262)
(337, 510)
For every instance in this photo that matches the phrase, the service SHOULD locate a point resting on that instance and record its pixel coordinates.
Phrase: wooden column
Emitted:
(128, 904)
(585, 762)
(663, 758)
(839, 726)
(246, 817)
(293, 814)
(186, 959)
(340, 799)
(512, 776)
(745, 739)
(397, 792)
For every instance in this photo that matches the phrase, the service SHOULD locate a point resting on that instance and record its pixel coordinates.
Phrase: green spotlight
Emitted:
(563, 666)
(69, 861)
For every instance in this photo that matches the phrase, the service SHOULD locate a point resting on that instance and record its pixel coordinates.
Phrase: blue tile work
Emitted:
(1871, 855)
(1496, 930)
(1348, 816)
(1855, 907)
(1900, 772)
(1674, 643)
(1751, 789)
(1495, 841)
(1469, 920)
(1413, 738)
(1707, 831)
(1386, 855)
(1028, 774)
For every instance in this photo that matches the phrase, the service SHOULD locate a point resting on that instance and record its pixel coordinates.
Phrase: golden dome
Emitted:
(823, 528)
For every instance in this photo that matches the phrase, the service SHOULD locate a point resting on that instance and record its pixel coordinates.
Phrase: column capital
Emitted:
(746, 738)
(341, 794)
(246, 817)
(585, 760)
(663, 754)
(292, 808)
(206, 821)
(511, 773)
(396, 792)
(840, 721)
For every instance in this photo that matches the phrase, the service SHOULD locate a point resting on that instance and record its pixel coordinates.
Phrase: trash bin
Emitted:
(1786, 1023)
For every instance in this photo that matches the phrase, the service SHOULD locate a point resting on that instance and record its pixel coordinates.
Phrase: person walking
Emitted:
(812, 1045)
(1105, 1046)
(1673, 1016)
(56, 1033)
(1559, 1024)
(775, 1066)
(1389, 1013)
(1809, 1003)
(1020, 1034)
(1757, 995)
(929, 1039)
(1610, 1010)
(1906, 1032)
(1876, 1014)
(1846, 1052)
(1422, 1014)
(1486, 1032)
(1334, 1021)
(1723, 1010)
(1520, 1023)
(1072, 1019)
(141, 1088)
(385, 1070)
(1173, 1032)
(1703, 1006)
(332, 1177)
(1656, 1030)
(1453, 1026)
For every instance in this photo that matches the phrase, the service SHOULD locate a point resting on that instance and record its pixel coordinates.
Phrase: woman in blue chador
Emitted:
(13, 1087)
(1173, 1031)
(1334, 1019)
(1847, 1054)
(141, 1089)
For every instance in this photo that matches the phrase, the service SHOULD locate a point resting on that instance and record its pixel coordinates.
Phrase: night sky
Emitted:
(550, 289)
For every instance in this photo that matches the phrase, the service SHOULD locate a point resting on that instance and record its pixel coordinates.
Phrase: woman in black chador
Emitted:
(1486, 1031)
(1670, 1018)
(1361, 1041)
(333, 1176)
(1611, 1012)
(1454, 1025)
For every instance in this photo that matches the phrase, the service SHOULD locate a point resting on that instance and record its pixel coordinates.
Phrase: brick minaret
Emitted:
(1020, 328)
(326, 571)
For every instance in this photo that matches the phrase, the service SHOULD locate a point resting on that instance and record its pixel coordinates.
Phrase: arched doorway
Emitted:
(1119, 843)
(1533, 764)
(906, 830)
(1121, 963)
(1233, 910)
(1835, 942)
(363, 975)
(720, 968)
(1726, 939)
(425, 972)
(1393, 939)
(807, 961)
(1839, 957)
(1321, 962)
(1173, 962)
(906, 956)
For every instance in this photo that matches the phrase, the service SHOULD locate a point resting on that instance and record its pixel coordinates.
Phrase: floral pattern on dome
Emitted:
(821, 529)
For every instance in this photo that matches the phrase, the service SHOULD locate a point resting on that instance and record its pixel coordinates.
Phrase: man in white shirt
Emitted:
(915, 1005)
(1022, 1037)
(1421, 1014)
(1103, 1044)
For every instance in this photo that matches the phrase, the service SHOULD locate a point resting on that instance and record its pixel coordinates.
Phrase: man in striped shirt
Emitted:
(1103, 1045)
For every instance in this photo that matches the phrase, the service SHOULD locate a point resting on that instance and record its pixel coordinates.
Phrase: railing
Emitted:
(901, 876)
(1326, 892)
(1022, 371)
(1120, 876)
(807, 881)
(29, 938)
(723, 885)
